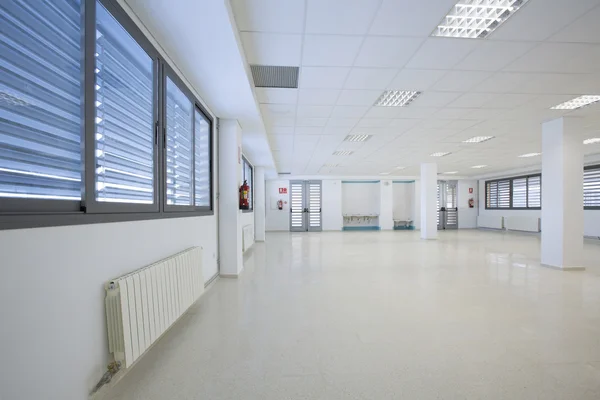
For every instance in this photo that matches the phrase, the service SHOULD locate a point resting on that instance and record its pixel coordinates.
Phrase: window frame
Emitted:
(18, 213)
(511, 180)
(585, 168)
(251, 196)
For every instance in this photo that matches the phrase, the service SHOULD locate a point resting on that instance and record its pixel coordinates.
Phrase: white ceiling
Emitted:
(349, 51)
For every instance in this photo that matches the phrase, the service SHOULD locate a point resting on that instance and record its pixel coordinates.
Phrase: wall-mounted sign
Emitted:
(470, 190)
(282, 190)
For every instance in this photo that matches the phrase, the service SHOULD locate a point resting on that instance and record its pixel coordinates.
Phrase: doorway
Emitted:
(305, 206)
(447, 211)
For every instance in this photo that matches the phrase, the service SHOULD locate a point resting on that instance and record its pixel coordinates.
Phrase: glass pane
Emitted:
(591, 187)
(202, 160)
(124, 115)
(40, 99)
(504, 194)
(179, 146)
(519, 194)
(534, 192)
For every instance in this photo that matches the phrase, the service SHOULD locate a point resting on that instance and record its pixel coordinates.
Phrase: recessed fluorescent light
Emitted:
(357, 138)
(577, 102)
(527, 155)
(439, 154)
(450, 173)
(478, 139)
(343, 153)
(591, 141)
(396, 98)
(384, 173)
(478, 166)
(331, 165)
(400, 167)
(476, 19)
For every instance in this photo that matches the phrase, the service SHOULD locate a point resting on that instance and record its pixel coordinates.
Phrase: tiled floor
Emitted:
(385, 315)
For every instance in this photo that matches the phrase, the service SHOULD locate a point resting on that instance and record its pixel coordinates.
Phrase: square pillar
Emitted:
(428, 201)
(386, 208)
(259, 204)
(230, 230)
(562, 194)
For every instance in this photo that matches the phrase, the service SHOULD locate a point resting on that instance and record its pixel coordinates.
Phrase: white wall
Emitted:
(53, 332)
(467, 217)
(417, 204)
(277, 220)
(247, 218)
(591, 218)
(361, 198)
(404, 200)
(332, 205)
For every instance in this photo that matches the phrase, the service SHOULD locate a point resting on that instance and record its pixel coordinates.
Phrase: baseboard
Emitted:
(567, 269)
(361, 228)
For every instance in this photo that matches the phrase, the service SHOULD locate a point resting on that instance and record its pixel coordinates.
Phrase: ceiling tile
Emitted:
(503, 82)
(538, 20)
(584, 30)
(434, 99)
(382, 51)
(277, 96)
(337, 130)
(358, 97)
(370, 78)
(282, 130)
(416, 79)
(442, 53)
(276, 121)
(349, 111)
(323, 77)
(269, 15)
(309, 130)
(494, 55)
(272, 49)
(311, 122)
(326, 50)
(282, 143)
(305, 111)
(559, 57)
(342, 122)
(509, 100)
(416, 112)
(350, 17)
(460, 81)
(409, 17)
(373, 123)
(278, 110)
(382, 112)
(472, 100)
(318, 97)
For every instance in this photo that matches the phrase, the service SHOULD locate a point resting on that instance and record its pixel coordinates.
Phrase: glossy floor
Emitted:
(385, 315)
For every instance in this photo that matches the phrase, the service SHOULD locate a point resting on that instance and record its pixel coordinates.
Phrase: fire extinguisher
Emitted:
(244, 190)
(471, 203)
(280, 204)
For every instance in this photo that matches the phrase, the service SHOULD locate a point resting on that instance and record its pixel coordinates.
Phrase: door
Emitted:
(446, 201)
(305, 206)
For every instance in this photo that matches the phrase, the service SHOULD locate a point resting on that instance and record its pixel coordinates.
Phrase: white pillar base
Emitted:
(429, 201)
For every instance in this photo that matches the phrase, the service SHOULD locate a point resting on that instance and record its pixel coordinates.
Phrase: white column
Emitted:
(386, 210)
(562, 194)
(230, 230)
(428, 201)
(259, 204)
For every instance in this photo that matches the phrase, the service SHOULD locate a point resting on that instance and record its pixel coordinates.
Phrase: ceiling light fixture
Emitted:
(478, 166)
(591, 141)
(450, 173)
(577, 102)
(343, 153)
(384, 173)
(396, 98)
(439, 154)
(527, 155)
(400, 167)
(476, 19)
(331, 165)
(478, 139)
(357, 138)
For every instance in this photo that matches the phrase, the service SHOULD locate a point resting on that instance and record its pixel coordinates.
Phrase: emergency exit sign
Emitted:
(282, 190)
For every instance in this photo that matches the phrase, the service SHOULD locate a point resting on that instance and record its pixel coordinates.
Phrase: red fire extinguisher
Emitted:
(280, 204)
(244, 190)
(471, 203)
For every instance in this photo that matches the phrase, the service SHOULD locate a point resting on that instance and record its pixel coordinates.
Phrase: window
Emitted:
(40, 101)
(591, 187)
(247, 176)
(124, 115)
(91, 116)
(514, 193)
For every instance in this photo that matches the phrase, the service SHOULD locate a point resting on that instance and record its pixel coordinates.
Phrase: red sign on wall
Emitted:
(282, 190)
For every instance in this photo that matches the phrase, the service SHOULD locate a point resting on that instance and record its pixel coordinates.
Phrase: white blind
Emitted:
(124, 115)
(534, 191)
(179, 146)
(591, 187)
(202, 160)
(519, 194)
(40, 99)
(498, 194)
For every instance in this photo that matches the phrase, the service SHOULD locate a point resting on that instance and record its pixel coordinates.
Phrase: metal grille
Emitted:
(314, 205)
(591, 187)
(271, 76)
(297, 204)
(534, 191)
(519, 195)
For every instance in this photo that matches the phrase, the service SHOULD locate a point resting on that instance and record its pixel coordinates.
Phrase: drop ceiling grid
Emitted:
(499, 81)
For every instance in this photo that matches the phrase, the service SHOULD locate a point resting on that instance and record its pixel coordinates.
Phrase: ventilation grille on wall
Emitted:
(272, 76)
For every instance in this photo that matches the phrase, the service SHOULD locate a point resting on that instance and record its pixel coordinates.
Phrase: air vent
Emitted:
(272, 76)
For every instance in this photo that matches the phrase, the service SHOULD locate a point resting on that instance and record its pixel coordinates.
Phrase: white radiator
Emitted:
(490, 222)
(247, 237)
(525, 224)
(142, 305)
